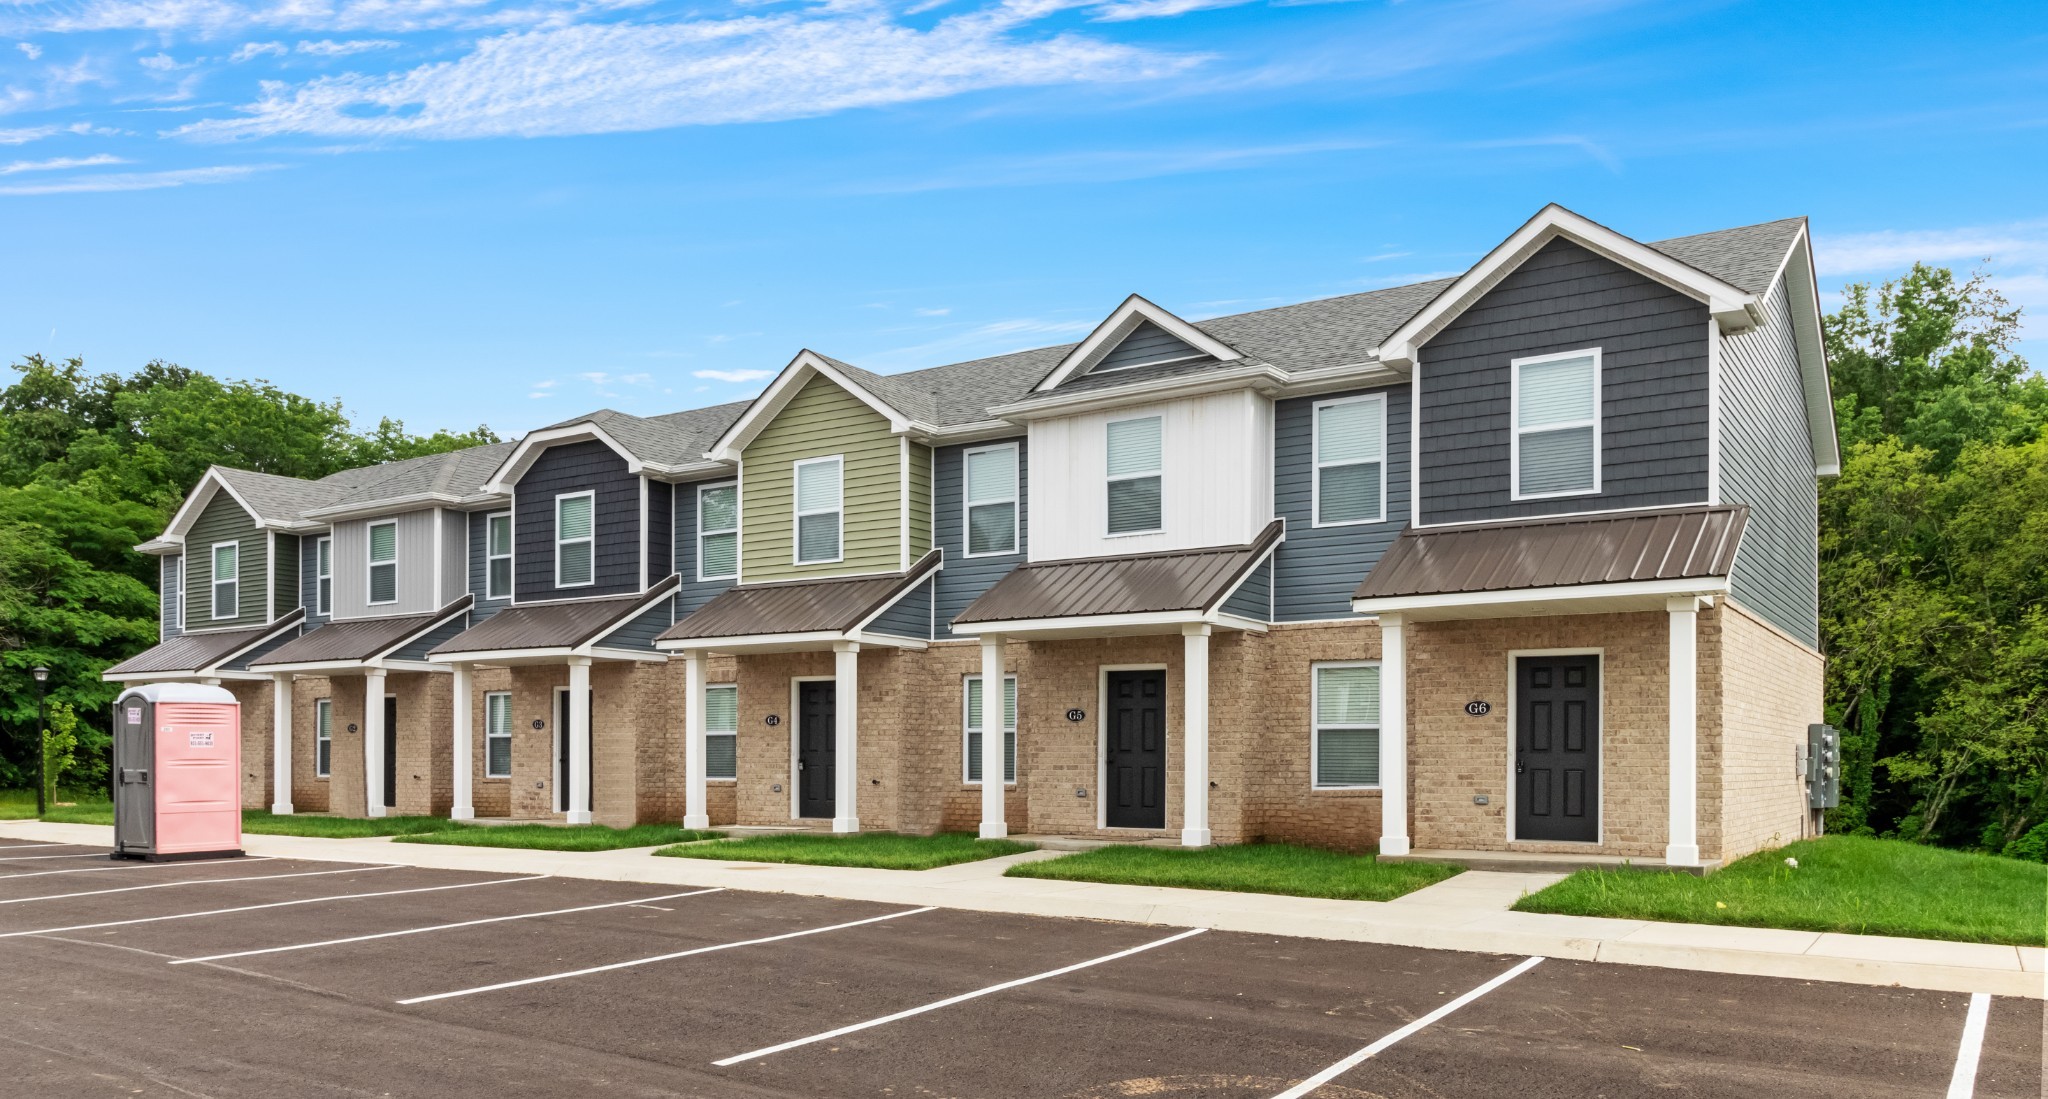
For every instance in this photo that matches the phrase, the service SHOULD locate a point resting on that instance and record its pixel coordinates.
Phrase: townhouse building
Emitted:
(1522, 560)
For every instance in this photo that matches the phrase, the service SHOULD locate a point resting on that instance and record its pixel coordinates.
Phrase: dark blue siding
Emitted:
(1146, 345)
(242, 662)
(1253, 598)
(910, 616)
(639, 634)
(693, 593)
(964, 578)
(418, 648)
(1317, 568)
(479, 562)
(660, 530)
(1653, 345)
(575, 467)
(1767, 463)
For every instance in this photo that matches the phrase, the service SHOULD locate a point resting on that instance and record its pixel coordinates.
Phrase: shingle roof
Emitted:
(356, 639)
(1142, 583)
(277, 499)
(1748, 257)
(804, 606)
(670, 439)
(563, 625)
(1676, 544)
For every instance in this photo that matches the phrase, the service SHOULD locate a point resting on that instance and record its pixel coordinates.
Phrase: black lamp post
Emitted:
(42, 675)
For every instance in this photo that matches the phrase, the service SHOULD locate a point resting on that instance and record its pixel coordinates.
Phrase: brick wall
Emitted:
(310, 792)
(1274, 708)
(257, 701)
(1771, 689)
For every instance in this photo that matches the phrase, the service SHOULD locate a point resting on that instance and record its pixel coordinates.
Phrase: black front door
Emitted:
(816, 719)
(562, 755)
(390, 752)
(1134, 756)
(1557, 748)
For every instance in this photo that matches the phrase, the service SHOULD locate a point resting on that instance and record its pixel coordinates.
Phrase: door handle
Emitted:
(1519, 765)
(799, 765)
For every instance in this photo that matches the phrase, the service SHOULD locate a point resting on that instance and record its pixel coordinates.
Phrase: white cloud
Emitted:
(60, 163)
(249, 51)
(931, 312)
(161, 63)
(636, 379)
(218, 18)
(1122, 11)
(734, 376)
(137, 181)
(606, 78)
(1895, 250)
(29, 50)
(1598, 152)
(1109, 166)
(27, 134)
(331, 48)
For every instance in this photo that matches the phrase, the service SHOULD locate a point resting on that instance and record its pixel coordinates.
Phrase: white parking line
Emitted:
(439, 927)
(26, 846)
(26, 858)
(1373, 1050)
(1963, 1084)
(660, 958)
(951, 1000)
(196, 881)
(272, 904)
(117, 866)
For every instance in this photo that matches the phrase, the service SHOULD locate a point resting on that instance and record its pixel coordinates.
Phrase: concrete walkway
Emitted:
(1468, 912)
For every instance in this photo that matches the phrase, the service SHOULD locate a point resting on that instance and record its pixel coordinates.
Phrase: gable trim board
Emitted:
(787, 384)
(533, 443)
(210, 484)
(1118, 326)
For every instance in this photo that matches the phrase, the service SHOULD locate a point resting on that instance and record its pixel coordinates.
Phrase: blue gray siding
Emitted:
(1767, 463)
(639, 634)
(660, 530)
(168, 601)
(1253, 598)
(964, 578)
(309, 580)
(479, 565)
(1317, 568)
(574, 467)
(910, 616)
(693, 593)
(1653, 345)
(242, 662)
(419, 647)
(1146, 345)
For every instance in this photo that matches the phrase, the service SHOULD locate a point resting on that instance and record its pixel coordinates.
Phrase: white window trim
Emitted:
(490, 558)
(1317, 465)
(214, 581)
(560, 541)
(488, 696)
(1315, 729)
(1515, 431)
(734, 733)
(320, 706)
(323, 593)
(968, 503)
(796, 543)
(967, 719)
(735, 531)
(1158, 471)
(370, 563)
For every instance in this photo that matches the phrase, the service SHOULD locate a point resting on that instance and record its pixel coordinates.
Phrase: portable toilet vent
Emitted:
(177, 772)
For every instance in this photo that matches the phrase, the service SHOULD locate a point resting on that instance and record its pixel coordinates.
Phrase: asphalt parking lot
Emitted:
(272, 977)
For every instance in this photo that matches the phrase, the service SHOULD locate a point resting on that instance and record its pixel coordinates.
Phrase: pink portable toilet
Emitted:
(177, 772)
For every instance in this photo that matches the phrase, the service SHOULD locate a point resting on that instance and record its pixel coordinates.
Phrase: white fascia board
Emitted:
(784, 389)
(763, 642)
(980, 431)
(1263, 377)
(1084, 625)
(395, 505)
(505, 656)
(202, 495)
(173, 677)
(163, 545)
(1337, 379)
(1127, 317)
(501, 480)
(1802, 296)
(1593, 596)
(1732, 307)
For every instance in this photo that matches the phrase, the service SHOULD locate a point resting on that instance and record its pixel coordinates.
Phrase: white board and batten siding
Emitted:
(1216, 477)
(417, 566)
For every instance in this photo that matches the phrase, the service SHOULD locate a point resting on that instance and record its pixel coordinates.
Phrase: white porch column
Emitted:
(845, 738)
(1393, 736)
(373, 742)
(1683, 830)
(579, 740)
(696, 795)
(463, 766)
(281, 743)
(1194, 810)
(993, 826)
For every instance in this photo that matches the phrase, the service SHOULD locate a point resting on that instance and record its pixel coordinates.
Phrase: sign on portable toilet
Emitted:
(177, 772)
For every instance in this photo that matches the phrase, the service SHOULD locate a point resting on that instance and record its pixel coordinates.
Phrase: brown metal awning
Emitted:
(795, 611)
(200, 654)
(1595, 556)
(551, 628)
(353, 641)
(1191, 583)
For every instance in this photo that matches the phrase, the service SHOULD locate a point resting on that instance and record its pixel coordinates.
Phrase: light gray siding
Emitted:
(309, 580)
(910, 616)
(477, 552)
(167, 569)
(416, 566)
(1253, 598)
(576, 467)
(1767, 463)
(223, 520)
(639, 634)
(693, 593)
(1317, 568)
(1146, 345)
(964, 578)
(1653, 345)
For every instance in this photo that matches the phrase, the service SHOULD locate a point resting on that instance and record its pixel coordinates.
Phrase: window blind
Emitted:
(974, 729)
(721, 728)
(1556, 409)
(992, 500)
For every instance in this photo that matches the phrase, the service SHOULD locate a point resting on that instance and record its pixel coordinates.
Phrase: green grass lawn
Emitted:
(1254, 868)
(1843, 883)
(550, 837)
(264, 823)
(91, 807)
(878, 850)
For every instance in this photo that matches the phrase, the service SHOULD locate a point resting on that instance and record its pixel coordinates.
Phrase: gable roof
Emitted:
(569, 624)
(354, 640)
(202, 652)
(830, 605)
(1191, 580)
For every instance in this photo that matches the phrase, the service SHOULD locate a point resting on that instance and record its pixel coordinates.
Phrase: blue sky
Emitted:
(513, 211)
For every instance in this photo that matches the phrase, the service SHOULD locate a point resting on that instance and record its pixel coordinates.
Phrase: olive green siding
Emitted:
(223, 520)
(820, 421)
(284, 574)
(920, 500)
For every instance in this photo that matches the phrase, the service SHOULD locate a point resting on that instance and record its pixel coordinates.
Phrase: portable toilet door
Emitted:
(177, 772)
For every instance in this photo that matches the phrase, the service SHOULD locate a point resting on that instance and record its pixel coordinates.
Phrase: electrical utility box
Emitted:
(1823, 767)
(177, 772)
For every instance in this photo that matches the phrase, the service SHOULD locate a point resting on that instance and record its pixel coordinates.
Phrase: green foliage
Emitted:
(60, 738)
(2032, 847)
(91, 465)
(1934, 565)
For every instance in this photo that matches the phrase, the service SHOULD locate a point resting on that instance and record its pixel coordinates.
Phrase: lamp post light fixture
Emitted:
(42, 675)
